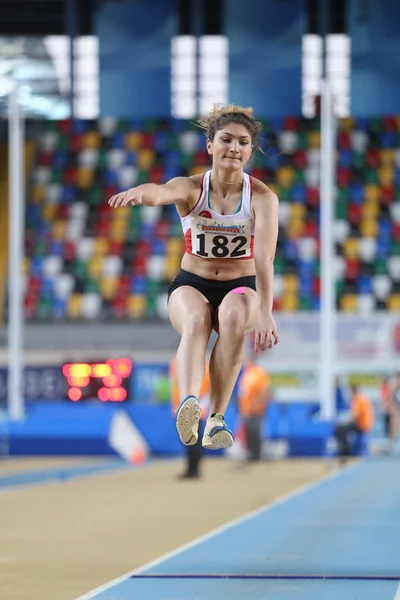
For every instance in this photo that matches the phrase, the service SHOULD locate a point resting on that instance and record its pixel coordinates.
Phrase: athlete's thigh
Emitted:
(186, 304)
(245, 304)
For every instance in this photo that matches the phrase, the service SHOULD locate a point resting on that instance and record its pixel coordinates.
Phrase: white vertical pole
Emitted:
(15, 256)
(327, 313)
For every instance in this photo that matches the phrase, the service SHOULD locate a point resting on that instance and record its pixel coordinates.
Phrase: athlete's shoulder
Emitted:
(197, 180)
(260, 188)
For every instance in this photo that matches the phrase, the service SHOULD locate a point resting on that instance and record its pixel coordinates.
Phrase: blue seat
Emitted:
(131, 158)
(387, 139)
(139, 284)
(118, 140)
(79, 125)
(364, 285)
(345, 158)
(357, 193)
(67, 194)
(299, 193)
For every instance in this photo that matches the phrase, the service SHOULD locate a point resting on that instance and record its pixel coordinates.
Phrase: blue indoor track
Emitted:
(338, 539)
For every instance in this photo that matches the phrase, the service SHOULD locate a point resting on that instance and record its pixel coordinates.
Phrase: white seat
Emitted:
(41, 175)
(64, 285)
(278, 285)
(87, 158)
(48, 141)
(307, 248)
(84, 248)
(367, 249)
(107, 125)
(75, 229)
(312, 176)
(112, 266)
(116, 158)
(394, 267)
(341, 230)
(288, 141)
(381, 286)
(91, 305)
(366, 303)
(189, 141)
(395, 212)
(151, 214)
(162, 306)
(155, 267)
(284, 212)
(339, 267)
(52, 193)
(52, 266)
(78, 210)
(397, 157)
(359, 140)
(127, 176)
(314, 157)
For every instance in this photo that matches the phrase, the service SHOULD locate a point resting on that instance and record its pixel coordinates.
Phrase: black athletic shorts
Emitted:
(214, 291)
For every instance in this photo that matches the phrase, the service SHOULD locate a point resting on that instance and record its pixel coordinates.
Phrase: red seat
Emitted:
(354, 213)
(372, 159)
(291, 123)
(352, 271)
(300, 159)
(312, 195)
(387, 195)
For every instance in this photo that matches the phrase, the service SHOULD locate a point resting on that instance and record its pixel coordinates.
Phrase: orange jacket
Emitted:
(253, 391)
(362, 411)
(175, 397)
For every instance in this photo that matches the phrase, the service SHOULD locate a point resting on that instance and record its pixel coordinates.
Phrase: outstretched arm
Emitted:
(265, 207)
(176, 191)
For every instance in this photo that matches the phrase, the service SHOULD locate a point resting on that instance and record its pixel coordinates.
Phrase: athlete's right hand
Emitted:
(131, 196)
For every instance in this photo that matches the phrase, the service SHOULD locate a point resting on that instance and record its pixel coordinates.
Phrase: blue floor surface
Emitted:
(345, 528)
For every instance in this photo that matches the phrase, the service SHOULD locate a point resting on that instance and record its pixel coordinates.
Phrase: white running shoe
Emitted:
(217, 434)
(187, 420)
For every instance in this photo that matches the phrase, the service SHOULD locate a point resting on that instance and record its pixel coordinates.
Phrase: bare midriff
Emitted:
(218, 269)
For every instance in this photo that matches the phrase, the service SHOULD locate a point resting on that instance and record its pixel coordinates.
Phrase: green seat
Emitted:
(91, 285)
(279, 265)
(381, 267)
(285, 194)
(79, 268)
(123, 125)
(94, 195)
(396, 248)
(51, 125)
(151, 309)
(305, 302)
(63, 142)
(371, 177)
(375, 125)
(358, 160)
(44, 308)
(56, 176)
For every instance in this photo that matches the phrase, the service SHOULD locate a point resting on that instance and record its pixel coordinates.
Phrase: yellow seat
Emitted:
(371, 192)
(146, 159)
(285, 176)
(118, 235)
(387, 157)
(370, 210)
(49, 211)
(37, 194)
(133, 141)
(26, 265)
(346, 124)
(274, 188)
(295, 229)
(59, 230)
(74, 306)
(123, 213)
(290, 284)
(136, 306)
(393, 302)
(109, 287)
(386, 176)
(369, 228)
(171, 268)
(95, 265)
(91, 139)
(100, 247)
(289, 302)
(297, 211)
(348, 303)
(314, 139)
(198, 170)
(84, 178)
(174, 246)
(350, 248)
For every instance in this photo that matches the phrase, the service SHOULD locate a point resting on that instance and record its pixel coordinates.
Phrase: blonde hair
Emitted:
(220, 115)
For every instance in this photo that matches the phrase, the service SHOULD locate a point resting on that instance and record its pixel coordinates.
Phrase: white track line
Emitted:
(258, 511)
(397, 596)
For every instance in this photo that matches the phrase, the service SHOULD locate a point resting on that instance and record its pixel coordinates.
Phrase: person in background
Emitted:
(254, 394)
(394, 411)
(385, 397)
(361, 421)
(194, 453)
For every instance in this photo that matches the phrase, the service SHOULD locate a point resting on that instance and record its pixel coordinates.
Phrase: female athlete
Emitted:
(230, 224)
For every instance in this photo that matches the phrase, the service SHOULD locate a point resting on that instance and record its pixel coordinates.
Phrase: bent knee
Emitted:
(198, 323)
(232, 320)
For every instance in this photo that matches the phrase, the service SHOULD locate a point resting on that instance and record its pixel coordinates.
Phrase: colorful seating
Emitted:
(86, 261)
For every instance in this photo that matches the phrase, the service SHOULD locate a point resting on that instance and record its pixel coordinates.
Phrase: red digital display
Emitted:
(106, 381)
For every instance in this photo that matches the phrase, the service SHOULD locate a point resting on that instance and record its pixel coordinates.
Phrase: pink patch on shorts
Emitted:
(239, 290)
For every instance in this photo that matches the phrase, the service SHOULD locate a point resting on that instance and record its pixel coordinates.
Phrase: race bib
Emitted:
(221, 238)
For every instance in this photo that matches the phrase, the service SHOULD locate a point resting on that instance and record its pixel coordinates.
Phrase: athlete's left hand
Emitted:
(266, 333)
